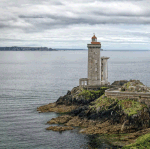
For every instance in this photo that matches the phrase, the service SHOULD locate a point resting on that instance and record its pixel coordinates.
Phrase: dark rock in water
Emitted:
(60, 120)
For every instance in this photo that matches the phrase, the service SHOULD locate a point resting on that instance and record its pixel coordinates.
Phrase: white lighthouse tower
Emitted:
(94, 62)
(97, 67)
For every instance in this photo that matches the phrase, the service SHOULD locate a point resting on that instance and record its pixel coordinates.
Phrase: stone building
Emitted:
(97, 67)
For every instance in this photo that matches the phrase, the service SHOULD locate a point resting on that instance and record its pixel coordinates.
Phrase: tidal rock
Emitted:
(59, 128)
(53, 107)
(60, 120)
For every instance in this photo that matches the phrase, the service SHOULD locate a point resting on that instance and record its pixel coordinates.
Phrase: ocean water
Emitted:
(30, 79)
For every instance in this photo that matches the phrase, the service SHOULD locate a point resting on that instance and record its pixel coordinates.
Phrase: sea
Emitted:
(29, 79)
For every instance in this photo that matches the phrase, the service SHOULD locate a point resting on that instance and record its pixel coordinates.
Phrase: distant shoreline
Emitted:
(26, 49)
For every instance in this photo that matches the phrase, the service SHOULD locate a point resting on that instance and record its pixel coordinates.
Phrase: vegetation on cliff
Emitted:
(91, 94)
(131, 107)
(80, 96)
(143, 142)
(135, 86)
(103, 103)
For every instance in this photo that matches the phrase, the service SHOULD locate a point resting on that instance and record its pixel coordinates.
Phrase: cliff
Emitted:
(119, 121)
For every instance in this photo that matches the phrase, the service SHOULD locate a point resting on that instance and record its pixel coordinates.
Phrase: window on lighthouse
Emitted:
(94, 40)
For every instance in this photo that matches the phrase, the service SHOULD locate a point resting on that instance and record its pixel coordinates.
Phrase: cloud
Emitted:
(67, 13)
(51, 21)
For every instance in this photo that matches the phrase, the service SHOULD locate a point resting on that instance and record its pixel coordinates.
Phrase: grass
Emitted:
(103, 102)
(143, 142)
(91, 94)
(131, 107)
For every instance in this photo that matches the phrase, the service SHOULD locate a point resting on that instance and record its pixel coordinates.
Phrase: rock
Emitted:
(66, 100)
(100, 115)
(74, 90)
(122, 127)
(79, 96)
(135, 86)
(69, 92)
(59, 128)
(104, 118)
(82, 130)
(119, 83)
(82, 111)
(53, 107)
(60, 120)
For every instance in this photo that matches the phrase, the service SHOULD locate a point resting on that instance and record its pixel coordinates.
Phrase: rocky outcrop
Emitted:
(131, 114)
(89, 126)
(97, 114)
(93, 126)
(80, 96)
(135, 86)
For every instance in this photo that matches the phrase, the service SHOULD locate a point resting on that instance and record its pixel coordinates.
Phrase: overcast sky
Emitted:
(123, 24)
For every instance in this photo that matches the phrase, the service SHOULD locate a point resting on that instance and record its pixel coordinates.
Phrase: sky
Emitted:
(118, 24)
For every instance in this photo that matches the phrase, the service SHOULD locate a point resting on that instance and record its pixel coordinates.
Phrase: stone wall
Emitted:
(139, 96)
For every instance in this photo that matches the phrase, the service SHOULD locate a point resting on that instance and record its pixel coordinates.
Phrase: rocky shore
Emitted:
(119, 121)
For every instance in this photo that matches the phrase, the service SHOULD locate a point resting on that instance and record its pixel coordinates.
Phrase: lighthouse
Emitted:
(97, 67)
(94, 62)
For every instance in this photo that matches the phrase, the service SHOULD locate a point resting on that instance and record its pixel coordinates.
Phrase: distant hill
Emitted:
(26, 49)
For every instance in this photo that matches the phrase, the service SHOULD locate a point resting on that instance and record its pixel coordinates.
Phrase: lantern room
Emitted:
(94, 40)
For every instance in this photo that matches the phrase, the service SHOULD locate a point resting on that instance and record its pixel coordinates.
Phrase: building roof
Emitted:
(94, 37)
(95, 40)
